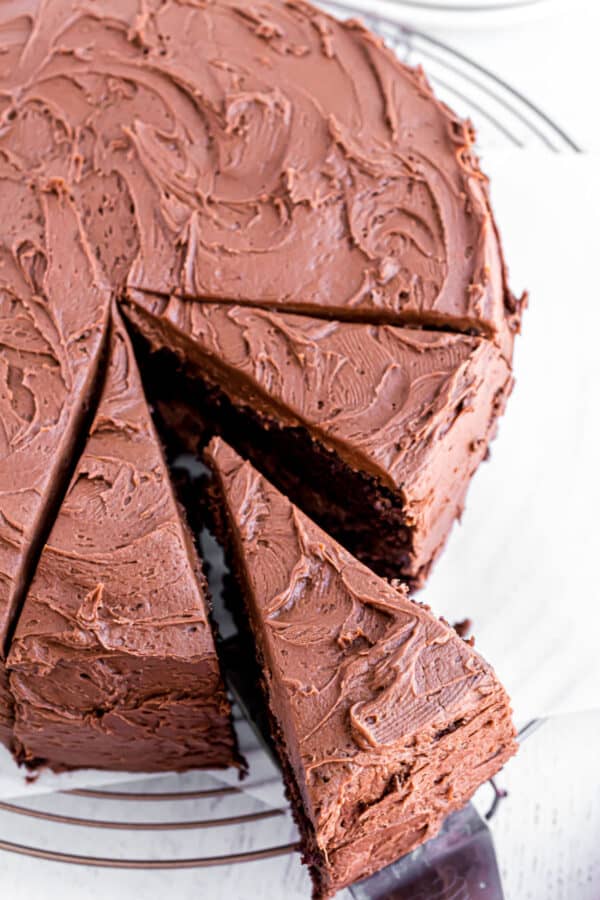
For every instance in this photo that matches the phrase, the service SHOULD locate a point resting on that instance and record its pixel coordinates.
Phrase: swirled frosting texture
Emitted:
(266, 154)
(113, 662)
(52, 319)
(386, 718)
(53, 315)
(413, 409)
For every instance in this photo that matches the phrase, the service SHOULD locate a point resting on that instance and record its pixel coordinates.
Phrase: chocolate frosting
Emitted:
(113, 662)
(53, 314)
(265, 154)
(414, 409)
(386, 717)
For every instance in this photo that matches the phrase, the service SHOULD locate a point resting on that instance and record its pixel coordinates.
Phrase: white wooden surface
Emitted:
(547, 836)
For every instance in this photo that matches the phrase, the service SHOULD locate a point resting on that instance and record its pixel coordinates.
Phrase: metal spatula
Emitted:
(458, 864)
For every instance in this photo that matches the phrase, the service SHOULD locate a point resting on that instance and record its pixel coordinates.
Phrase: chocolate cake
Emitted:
(384, 719)
(374, 430)
(302, 230)
(113, 662)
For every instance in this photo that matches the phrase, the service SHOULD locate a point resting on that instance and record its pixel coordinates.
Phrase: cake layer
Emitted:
(6, 709)
(113, 662)
(374, 430)
(384, 719)
(269, 155)
(53, 320)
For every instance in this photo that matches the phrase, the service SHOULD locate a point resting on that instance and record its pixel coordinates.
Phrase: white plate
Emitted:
(460, 13)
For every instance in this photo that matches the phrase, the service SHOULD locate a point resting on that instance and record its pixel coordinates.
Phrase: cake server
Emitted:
(458, 864)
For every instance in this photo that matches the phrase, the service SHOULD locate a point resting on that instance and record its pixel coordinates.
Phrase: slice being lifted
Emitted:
(113, 663)
(375, 431)
(384, 719)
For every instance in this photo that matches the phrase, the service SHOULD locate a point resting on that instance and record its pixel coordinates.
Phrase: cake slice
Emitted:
(53, 324)
(374, 430)
(113, 662)
(384, 719)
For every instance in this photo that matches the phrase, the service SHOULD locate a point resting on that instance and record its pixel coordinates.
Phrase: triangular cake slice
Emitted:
(374, 430)
(53, 323)
(113, 663)
(384, 719)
